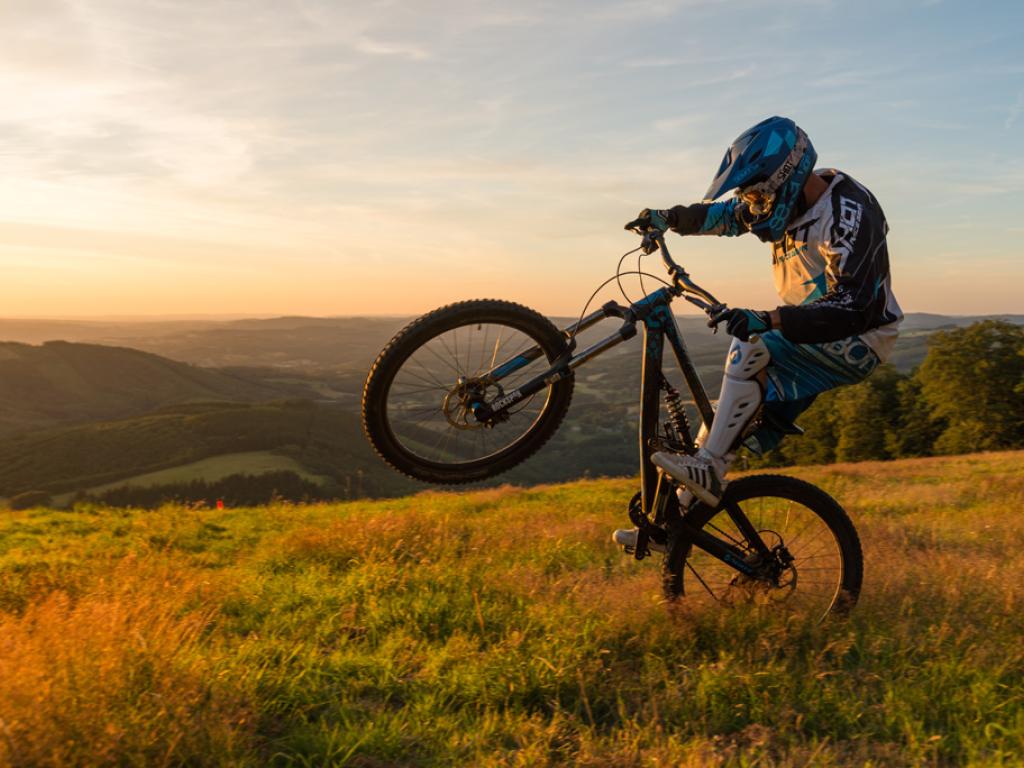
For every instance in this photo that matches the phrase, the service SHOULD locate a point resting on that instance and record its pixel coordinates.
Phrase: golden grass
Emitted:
(115, 675)
(501, 627)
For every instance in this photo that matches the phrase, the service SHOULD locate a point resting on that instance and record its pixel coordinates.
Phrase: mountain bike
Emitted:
(472, 389)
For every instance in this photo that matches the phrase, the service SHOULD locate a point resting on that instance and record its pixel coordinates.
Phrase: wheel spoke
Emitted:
(483, 349)
(432, 379)
(437, 354)
(417, 390)
(427, 417)
(811, 577)
(701, 580)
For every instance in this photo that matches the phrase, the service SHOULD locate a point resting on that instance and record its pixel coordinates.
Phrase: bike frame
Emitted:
(654, 313)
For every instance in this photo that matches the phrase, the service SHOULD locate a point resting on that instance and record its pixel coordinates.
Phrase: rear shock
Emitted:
(678, 425)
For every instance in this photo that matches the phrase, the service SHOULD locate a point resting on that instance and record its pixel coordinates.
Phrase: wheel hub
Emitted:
(777, 577)
(458, 403)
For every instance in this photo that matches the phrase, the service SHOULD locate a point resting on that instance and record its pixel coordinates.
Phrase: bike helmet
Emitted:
(768, 165)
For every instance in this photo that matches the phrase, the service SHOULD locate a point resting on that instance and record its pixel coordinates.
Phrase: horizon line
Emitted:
(234, 316)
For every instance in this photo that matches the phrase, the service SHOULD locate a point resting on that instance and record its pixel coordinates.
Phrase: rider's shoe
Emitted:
(701, 474)
(627, 540)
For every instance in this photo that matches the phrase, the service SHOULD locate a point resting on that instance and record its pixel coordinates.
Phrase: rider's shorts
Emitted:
(798, 373)
(803, 370)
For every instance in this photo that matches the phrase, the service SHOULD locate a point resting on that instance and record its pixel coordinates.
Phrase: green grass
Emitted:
(500, 627)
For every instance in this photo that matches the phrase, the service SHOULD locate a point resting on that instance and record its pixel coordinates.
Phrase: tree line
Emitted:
(239, 490)
(966, 396)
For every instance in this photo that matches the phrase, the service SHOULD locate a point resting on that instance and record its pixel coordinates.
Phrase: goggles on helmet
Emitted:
(758, 201)
(760, 197)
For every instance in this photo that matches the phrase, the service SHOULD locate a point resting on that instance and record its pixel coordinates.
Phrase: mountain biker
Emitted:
(838, 320)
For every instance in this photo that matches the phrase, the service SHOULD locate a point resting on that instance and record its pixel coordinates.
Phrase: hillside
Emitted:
(99, 454)
(60, 382)
(325, 439)
(500, 627)
(341, 344)
(91, 416)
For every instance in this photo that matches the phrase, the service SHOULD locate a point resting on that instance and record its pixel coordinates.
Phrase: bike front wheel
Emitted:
(814, 563)
(419, 395)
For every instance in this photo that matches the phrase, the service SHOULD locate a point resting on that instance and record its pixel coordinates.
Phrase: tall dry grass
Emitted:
(115, 676)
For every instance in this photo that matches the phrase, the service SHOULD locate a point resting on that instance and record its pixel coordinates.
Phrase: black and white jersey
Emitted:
(832, 270)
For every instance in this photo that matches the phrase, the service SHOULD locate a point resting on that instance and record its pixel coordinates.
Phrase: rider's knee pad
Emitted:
(746, 359)
(737, 404)
(739, 399)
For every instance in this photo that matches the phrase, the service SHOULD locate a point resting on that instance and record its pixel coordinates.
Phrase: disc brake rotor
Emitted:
(457, 403)
(777, 578)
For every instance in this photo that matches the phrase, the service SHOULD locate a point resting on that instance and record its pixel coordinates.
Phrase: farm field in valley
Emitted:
(212, 469)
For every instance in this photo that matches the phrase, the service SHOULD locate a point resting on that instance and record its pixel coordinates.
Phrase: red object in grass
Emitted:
(220, 503)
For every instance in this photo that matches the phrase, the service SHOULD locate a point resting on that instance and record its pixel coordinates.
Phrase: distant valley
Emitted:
(118, 402)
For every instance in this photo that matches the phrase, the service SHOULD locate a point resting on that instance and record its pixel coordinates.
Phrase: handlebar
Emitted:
(682, 285)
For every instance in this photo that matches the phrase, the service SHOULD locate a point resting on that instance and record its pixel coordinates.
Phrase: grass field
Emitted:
(500, 627)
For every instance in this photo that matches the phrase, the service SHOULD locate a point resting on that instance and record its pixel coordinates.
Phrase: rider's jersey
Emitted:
(831, 267)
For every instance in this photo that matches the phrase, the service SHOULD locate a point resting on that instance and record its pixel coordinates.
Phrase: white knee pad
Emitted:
(746, 359)
(739, 399)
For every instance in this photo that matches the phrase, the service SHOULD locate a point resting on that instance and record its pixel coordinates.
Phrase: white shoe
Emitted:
(698, 473)
(627, 540)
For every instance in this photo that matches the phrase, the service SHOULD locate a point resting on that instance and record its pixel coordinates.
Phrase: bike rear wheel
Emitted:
(418, 395)
(816, 566)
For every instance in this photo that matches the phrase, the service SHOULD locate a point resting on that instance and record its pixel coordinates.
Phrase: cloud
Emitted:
(849, 77)
(654, 62)
(675, 124)
(303, 126)
(373, 47)
(1014, 111)
(662, 9)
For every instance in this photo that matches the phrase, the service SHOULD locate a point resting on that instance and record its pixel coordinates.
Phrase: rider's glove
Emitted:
(648, 219)
(742, 323)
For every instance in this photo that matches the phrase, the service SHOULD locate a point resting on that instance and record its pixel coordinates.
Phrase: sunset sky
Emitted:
(339, 158)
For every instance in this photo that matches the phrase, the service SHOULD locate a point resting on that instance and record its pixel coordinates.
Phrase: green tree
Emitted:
(816, 446)
(30, 499)
(865, 414)
(917, 428)
(972, 381)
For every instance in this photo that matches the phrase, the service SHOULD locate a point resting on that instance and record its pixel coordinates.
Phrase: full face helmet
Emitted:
(768, 165)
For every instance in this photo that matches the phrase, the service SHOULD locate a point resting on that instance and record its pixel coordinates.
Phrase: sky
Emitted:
(162, 157)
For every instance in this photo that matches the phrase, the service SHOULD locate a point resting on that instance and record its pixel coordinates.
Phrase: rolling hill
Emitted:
(349, 344)
(61, 383)
(79, 416)
(501, 627)
(80, 458)
(324, 439)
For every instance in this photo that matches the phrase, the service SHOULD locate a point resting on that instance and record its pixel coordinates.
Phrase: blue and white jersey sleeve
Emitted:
(725, 218)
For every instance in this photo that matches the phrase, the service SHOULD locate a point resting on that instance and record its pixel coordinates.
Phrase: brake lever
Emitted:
(649, 244)
(714, 310)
